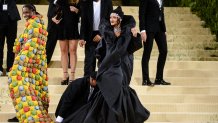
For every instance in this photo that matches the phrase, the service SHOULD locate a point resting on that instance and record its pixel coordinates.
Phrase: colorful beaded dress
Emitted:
(28, 80)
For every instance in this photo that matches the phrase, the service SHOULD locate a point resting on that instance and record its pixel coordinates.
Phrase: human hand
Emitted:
(144, 36)
(97, 38)
(74, 9)
(55, 20)
(82, 43)
(134, 31)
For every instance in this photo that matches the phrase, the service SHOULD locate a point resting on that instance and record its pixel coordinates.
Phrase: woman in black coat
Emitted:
(115, 102)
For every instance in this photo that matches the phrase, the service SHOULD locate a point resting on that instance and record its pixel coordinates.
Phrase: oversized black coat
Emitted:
(115, 102)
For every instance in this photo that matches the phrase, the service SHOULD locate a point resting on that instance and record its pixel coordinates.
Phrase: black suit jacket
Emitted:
(87, 16)
(12, 14)
(74, 97)
(149, 14)
(51, 9)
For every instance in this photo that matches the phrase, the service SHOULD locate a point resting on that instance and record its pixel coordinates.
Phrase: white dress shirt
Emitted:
(97, 14)
(59, 119)
(160, 3)
(90, 92)
(55, 1)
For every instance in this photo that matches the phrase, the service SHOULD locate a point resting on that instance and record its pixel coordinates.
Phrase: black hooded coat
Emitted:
(115, 102)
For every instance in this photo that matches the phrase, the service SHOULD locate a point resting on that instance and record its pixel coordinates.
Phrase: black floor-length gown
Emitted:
(115, 102)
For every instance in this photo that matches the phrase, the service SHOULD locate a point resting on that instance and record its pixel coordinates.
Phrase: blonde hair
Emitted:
(73, 1)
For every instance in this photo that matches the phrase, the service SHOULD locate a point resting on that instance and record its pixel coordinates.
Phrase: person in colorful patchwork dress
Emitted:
(28, 80)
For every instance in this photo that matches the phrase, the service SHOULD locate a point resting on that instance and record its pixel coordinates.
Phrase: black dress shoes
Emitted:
(161, 82)
(148, 83)
(14, 119)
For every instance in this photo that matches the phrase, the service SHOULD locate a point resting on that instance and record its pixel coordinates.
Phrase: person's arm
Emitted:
(142, 14)
(164, 25)
(135, 44)
(83, 19)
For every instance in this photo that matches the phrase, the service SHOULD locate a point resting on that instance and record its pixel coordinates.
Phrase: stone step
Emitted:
(169, 24)
(132, 9)
(180, 73)
(167, 73)
(117, 2)
(182, 81)
(179, 22)
(171, 53)
(175, 45)
(183, 117)
(173, 10)
(181, 15)
(197, 65)
(206, 108)
(202, 65)
(188, 31)
(181, 52)
(155, 57)
(149, 98)
(192, 45)
(176, 58)
(171, 30)
(176, 23)
(185, 65)
(175, 81)
(190, 38)
(183, 24)
(158, 117)
(185, 39)
(158, 89)
(171, 17)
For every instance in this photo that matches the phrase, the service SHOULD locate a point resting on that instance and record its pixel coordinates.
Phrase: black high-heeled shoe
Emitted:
(65, 82)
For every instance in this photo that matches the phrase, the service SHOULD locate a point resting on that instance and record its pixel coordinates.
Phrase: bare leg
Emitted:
(64, 57)
(73, 57)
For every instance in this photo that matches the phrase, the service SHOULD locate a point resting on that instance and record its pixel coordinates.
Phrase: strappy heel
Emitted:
(72, 77)
(65, 82)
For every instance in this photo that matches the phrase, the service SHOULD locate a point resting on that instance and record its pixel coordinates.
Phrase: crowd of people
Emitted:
(108, 36)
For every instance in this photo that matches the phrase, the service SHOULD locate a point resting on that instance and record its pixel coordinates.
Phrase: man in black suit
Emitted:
(92, 11)
(77, 94)
(152, 26)
(52, 31)
(8, 29)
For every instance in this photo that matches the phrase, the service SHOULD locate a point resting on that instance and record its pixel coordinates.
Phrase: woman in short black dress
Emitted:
(68, 35)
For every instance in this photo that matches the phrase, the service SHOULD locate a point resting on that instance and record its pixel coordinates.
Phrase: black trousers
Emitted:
(51, 39)
(160, 38)
(7, 31)
(90, 59)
